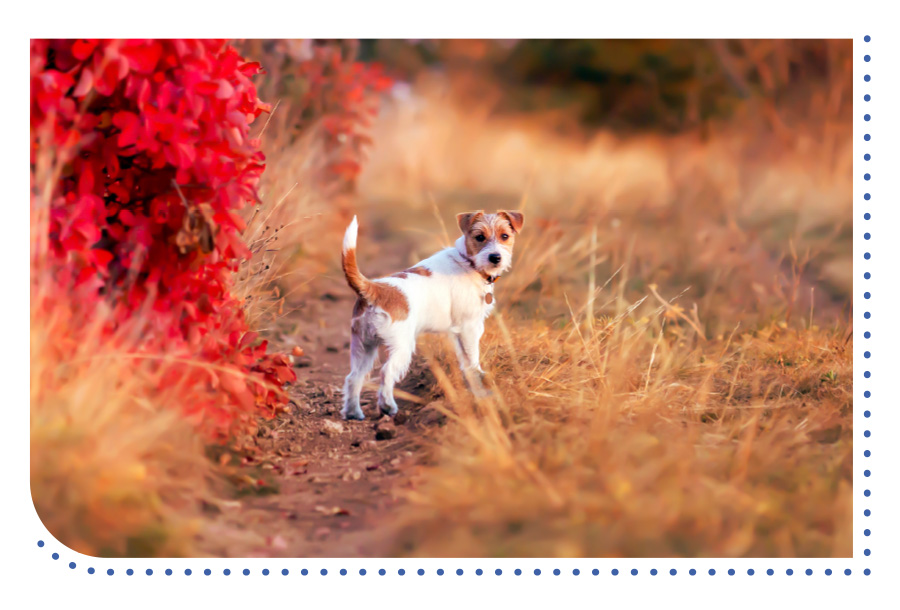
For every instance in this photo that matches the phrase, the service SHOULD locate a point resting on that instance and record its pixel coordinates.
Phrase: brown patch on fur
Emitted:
(423, 271)
(414, 270)
(389, 298)
(466, 219)
(489, 298)
(473, 224)
(516, 219)
(354, 277)
(502, 225)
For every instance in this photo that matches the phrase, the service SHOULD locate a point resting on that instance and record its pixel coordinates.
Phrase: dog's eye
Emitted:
(479, 238)
(504, 237)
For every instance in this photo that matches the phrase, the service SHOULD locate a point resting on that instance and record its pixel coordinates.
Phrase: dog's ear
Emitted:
(516, 218)
(467, 219)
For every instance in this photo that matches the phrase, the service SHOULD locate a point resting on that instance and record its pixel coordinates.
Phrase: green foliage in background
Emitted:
(640, 84)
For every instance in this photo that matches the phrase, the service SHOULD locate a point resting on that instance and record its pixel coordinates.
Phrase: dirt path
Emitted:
(334, 484)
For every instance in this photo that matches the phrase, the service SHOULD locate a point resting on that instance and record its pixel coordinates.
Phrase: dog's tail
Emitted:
(358, 282)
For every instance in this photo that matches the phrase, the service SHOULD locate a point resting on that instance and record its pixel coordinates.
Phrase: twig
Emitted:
(669, 307)
(437, 214)
(662, 328)
(592, 282)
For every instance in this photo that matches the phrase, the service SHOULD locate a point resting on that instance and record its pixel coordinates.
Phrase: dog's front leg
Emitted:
(467, 349)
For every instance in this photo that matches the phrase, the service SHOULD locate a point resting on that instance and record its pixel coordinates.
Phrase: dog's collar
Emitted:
(489, 279)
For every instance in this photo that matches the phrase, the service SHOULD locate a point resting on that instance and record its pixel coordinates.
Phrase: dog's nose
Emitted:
(494, 258)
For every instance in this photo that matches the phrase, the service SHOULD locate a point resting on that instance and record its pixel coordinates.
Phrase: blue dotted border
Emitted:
(867, 295)
(614, 572)
(458, 571)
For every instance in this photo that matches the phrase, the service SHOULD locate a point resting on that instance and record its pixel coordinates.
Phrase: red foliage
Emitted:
(153, 140)
(342, 93)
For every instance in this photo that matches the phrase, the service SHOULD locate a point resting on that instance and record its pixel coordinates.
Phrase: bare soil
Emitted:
(330, 486)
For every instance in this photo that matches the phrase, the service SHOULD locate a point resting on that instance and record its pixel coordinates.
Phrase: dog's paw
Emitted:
(482, 392)
(389, 410)
(353, 414)
(476, 380)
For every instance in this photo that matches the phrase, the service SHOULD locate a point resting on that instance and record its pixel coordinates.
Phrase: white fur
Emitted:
(451, 300)
(350, 235)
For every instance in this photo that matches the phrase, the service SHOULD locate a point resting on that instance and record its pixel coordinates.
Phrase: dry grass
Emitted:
(116, 467)
(730, 193)
(116, 470)
(284, 230)
(639, 439)
(672, 362)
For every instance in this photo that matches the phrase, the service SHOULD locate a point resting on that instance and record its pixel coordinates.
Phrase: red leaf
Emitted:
(82, 48)
(225, 90)
(128, 123)
(84, 83)
(143, 56)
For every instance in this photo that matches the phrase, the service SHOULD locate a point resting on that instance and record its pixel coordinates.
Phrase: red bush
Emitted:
(153, 141)
(324, 89)
(343, 94)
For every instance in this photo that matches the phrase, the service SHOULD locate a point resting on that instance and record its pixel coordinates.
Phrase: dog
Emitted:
(449, 292)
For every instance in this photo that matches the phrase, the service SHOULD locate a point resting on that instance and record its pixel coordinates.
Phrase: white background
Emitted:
(31, 577)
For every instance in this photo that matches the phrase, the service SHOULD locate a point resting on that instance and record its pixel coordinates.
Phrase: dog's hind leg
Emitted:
(362, 357)
(399, 357)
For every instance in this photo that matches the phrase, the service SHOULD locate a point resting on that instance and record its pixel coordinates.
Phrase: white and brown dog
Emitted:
(451, 292)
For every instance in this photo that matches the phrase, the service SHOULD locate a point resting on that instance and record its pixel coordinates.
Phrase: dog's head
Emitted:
(487, 239)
